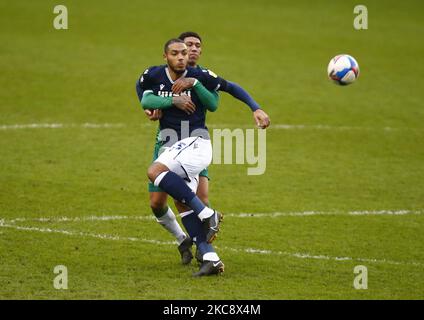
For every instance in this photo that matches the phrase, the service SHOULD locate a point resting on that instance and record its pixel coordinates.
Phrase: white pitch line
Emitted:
(84, 234)
(61, 126)
(233, 215)
(324, 127)
(281, 126)
(323, 257)
(246, 250)
(386, 212)
(79, 219)
(337, 128)
(323, 213)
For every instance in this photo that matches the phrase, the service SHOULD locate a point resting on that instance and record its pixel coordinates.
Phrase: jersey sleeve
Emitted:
(144, 84)
(210, 80)
(239, 93)
(208, 98)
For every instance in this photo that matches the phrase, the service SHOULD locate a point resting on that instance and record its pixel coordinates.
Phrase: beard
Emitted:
(177, 71)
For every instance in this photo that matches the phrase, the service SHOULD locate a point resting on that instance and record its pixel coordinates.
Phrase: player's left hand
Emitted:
(182, 84)
(153, 115)
(261, 119)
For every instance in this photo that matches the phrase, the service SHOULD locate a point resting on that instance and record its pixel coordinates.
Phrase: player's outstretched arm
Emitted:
(261, 118)
(239, 93)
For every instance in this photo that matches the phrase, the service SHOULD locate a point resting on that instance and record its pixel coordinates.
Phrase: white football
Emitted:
(343, 69)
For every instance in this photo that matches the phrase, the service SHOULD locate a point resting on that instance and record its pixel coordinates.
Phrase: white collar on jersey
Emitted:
(169, 76)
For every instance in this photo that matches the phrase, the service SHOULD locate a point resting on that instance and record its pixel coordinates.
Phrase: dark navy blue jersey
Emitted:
(222, 83)
(158, 81)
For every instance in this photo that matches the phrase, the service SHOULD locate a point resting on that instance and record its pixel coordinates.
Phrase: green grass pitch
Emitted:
(331, 151)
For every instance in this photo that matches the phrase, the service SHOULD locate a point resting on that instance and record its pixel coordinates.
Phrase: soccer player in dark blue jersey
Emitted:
(158, 198)
(177, 169)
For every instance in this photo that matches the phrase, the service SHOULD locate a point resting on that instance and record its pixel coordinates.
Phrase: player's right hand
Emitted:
(184, 103)
(261, 118)
(153, 115)
(182, 84)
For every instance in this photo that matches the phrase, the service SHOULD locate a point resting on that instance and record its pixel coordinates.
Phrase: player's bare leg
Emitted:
(203, 190)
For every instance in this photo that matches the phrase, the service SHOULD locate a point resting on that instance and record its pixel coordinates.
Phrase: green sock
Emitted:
(159, 212)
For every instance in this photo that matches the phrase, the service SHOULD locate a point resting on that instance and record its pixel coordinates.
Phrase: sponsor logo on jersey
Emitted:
(170, 94)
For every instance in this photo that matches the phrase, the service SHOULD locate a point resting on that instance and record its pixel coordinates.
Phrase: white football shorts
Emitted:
(187, 158)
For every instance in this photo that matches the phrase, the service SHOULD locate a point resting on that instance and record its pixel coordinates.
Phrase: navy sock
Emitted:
(194, 228)
(175, 186)
(204, 247)
(196, 204)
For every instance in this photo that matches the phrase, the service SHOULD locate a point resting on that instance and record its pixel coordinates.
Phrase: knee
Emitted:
(155, 170)
(152, 173)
